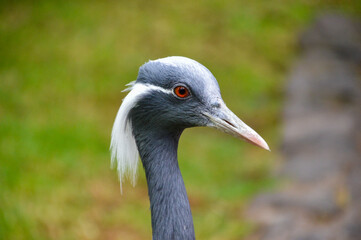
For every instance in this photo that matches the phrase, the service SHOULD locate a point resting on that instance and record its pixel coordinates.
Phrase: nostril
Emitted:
(216, 105)
(229, 123)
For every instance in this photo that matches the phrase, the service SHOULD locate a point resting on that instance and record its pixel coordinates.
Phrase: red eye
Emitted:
(181, 91)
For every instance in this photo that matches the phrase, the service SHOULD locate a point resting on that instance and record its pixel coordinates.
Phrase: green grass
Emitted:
(62, 67)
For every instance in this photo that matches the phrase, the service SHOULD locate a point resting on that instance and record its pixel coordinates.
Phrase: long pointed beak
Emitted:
(226, 121)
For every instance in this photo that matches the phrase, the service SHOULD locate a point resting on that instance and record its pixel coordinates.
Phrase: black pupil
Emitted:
(182, 91)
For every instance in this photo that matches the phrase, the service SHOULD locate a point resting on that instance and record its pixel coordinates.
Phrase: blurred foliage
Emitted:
(62, 67)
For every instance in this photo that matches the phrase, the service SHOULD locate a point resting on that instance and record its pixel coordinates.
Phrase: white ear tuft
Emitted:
(124, 152)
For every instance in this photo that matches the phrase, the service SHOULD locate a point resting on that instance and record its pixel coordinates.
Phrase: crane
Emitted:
(169, 95)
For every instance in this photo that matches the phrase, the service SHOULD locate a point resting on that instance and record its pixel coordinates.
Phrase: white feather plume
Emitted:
(124, 152)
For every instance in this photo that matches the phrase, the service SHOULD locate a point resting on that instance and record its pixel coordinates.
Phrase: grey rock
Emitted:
(321, 141)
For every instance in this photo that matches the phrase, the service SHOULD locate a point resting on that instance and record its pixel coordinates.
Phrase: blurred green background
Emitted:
(62, 68)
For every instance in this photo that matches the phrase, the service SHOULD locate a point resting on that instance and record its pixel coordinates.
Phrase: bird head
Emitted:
(171, 94)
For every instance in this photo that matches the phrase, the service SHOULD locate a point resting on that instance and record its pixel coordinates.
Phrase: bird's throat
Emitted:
(170, 209)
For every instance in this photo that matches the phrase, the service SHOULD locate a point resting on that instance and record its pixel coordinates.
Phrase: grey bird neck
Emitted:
(170, 209)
